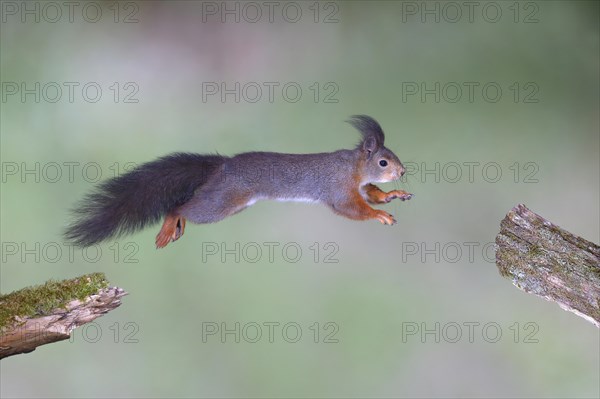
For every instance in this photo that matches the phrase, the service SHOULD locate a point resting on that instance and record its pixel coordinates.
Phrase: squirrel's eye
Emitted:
(383, 163)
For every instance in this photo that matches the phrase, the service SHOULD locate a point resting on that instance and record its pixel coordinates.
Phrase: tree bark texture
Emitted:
(543, 259)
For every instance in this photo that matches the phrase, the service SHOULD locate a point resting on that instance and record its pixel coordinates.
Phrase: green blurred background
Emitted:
(379, 287)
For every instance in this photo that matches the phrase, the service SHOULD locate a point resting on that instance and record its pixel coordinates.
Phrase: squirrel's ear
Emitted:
(371, 131)
(369, 144)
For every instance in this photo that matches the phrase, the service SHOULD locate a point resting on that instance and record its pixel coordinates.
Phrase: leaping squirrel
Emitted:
(209, 188)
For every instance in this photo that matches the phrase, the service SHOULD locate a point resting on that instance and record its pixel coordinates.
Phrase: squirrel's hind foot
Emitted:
(172, 229)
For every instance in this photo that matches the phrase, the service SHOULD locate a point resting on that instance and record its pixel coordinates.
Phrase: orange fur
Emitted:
(376, 196)
(173, 227)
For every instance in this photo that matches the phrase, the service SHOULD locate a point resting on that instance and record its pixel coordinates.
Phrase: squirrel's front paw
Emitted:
(400, 194)
(385, 217)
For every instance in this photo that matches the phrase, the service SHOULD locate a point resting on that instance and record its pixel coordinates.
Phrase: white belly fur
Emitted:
(252, 201)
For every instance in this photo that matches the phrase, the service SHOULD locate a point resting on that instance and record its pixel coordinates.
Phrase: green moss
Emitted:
(42, 299)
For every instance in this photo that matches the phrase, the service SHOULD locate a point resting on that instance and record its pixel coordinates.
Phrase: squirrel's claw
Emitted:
(162, 239)
(400, 194)
(406, 197)
(385, 218)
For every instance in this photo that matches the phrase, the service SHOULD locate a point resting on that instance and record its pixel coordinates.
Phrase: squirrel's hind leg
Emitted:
(173, 227)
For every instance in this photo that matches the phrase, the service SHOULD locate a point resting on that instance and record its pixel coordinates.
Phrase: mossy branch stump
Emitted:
(35, 316)
(543, 259)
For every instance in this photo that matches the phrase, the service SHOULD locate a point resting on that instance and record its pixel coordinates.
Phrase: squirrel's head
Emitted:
(380, 165)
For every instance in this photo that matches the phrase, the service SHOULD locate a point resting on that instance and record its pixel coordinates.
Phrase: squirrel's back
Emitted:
(281, 176)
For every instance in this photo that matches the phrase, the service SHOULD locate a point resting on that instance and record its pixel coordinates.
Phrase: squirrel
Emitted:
(208, 188)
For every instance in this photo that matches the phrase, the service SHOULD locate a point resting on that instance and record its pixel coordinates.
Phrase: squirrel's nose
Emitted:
(402, 171)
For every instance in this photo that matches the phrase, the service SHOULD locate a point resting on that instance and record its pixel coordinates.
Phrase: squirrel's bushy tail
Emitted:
(140, 197)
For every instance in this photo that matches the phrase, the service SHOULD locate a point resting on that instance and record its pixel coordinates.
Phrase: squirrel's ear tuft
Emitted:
(372, 133)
